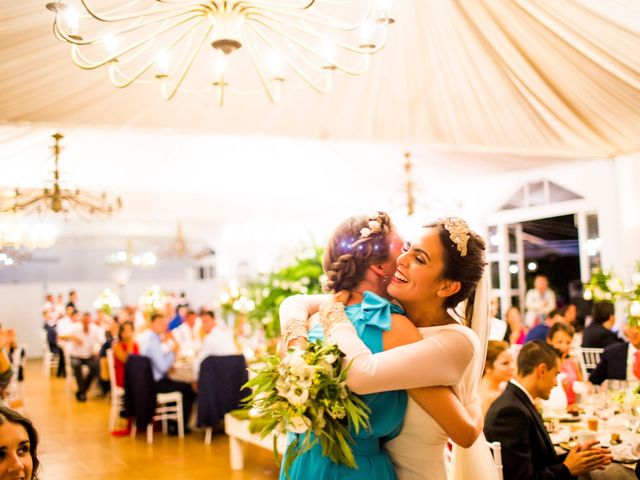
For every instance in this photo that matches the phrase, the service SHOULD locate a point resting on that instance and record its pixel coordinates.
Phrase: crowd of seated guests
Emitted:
(175, 334)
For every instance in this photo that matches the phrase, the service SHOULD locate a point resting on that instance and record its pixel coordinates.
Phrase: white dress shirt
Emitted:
(218, 342)
(65, 326)
(91, 341)
(188, 338)
(519, 385)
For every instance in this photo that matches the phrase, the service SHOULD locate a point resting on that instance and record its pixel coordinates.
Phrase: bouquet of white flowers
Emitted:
(306, 393)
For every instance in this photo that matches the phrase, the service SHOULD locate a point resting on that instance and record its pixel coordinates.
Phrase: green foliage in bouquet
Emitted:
(302, 276)
(306, 393)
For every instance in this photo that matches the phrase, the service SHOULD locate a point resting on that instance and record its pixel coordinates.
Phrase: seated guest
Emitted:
(162, 354)
(124, 347)
(516, 331)
(498, 369)
(85, 341)
(66, 323)
(498, 328)
(218, 340)
(541, 331)
(598, 334)
(52, 340)
(560, 337)
(512, 420)
(620, 361)
(176, 321)
(188, 334)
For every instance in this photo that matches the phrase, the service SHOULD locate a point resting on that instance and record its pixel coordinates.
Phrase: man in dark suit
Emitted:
(620, 361)
(598, 334)
(512, 420)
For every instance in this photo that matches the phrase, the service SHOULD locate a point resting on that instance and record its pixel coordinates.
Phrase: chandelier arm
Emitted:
(133, 16)
(100, 38)
(306, 4)
(345, 46)
(189, 64)
(256, 62)
(365, 55)
(291, 63)
(320, 18)
(129, 80)
(86, 64)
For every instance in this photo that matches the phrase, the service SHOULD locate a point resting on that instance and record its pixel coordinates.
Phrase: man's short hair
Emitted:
(189, 311)
(533, 354)
(155, 316)
(208, 312)
(602, 311)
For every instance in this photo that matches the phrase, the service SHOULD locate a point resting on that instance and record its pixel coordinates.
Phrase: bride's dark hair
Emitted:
(467, 269)
(353, 246)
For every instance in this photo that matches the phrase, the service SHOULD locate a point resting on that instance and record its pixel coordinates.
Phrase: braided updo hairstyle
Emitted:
(354, 245)
(467, 269)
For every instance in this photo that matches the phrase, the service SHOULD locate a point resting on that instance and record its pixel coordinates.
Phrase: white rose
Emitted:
(299, 424)
(634, 309)
(587, 295)
(307, 281)
(297, 396)
(608, 296)
(330, 358)
(304, 290)
(614, 286)
(597, 293)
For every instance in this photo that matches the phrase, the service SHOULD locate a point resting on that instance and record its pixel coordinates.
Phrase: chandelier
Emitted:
(57, 199)
(17, 233)
(127, 258)
(190, 46)
(180, 249)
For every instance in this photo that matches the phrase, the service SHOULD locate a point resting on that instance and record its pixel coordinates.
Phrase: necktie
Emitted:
(636, 364)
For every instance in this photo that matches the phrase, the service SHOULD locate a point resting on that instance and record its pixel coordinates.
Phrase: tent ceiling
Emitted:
(544, 78)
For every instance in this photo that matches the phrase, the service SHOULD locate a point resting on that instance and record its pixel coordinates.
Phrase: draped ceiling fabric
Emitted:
(534, 78)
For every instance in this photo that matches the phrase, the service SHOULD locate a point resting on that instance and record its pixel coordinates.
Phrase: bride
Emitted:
(437, 272)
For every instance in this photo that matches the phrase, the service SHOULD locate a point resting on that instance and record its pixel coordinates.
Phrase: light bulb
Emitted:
(73, 20)
(328, 50)
(367, 30)
(513, 269)
(162, 61)
(219, 67)
(111, 43)
(275, 65)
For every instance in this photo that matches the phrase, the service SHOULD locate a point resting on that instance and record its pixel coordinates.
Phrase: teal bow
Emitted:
(374, 311)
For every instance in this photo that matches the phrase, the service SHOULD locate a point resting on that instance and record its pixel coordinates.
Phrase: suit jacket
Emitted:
(613, 364)
(139, 390)
(527, 451)
(220, 387)
(597, 336)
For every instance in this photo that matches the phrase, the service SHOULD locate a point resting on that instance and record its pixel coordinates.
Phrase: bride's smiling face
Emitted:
(418, 275)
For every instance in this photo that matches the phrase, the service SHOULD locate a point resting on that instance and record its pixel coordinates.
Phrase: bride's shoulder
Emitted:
(456, 333)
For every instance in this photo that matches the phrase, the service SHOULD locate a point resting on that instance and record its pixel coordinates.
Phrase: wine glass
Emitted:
(605, 411)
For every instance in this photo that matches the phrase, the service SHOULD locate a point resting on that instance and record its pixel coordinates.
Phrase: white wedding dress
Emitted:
(451, 355)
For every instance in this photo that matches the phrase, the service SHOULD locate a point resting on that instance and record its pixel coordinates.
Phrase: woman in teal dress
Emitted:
(371, 318)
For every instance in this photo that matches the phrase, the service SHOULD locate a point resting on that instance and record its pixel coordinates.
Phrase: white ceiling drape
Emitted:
(537, 78)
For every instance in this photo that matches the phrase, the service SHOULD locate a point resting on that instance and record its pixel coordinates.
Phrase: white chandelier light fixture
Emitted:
(243, 47)
(127, 258)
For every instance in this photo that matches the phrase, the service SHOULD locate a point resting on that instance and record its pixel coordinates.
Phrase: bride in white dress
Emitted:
(433, 275)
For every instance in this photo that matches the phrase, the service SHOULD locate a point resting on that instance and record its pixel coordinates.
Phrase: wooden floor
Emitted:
(75, 443)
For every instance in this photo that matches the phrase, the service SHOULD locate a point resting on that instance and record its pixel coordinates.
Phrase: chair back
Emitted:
(139, 390)
(589, 360)
(220, 387)
(111, 364)
(496, 450)
(17, 362)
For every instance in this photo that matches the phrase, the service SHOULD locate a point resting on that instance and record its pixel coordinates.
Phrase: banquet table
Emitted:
(623, 466)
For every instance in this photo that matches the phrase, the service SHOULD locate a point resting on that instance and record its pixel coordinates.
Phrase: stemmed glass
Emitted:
(605, 410)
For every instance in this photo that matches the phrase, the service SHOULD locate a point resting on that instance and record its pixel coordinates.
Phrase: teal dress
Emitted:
(371, 318)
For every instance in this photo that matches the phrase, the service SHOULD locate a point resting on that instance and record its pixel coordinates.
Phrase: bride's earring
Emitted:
(385, 278)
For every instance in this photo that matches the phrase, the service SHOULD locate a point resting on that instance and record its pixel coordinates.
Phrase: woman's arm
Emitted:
(437, 360)
(120, 353)
(462, 424)
(294, 314)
